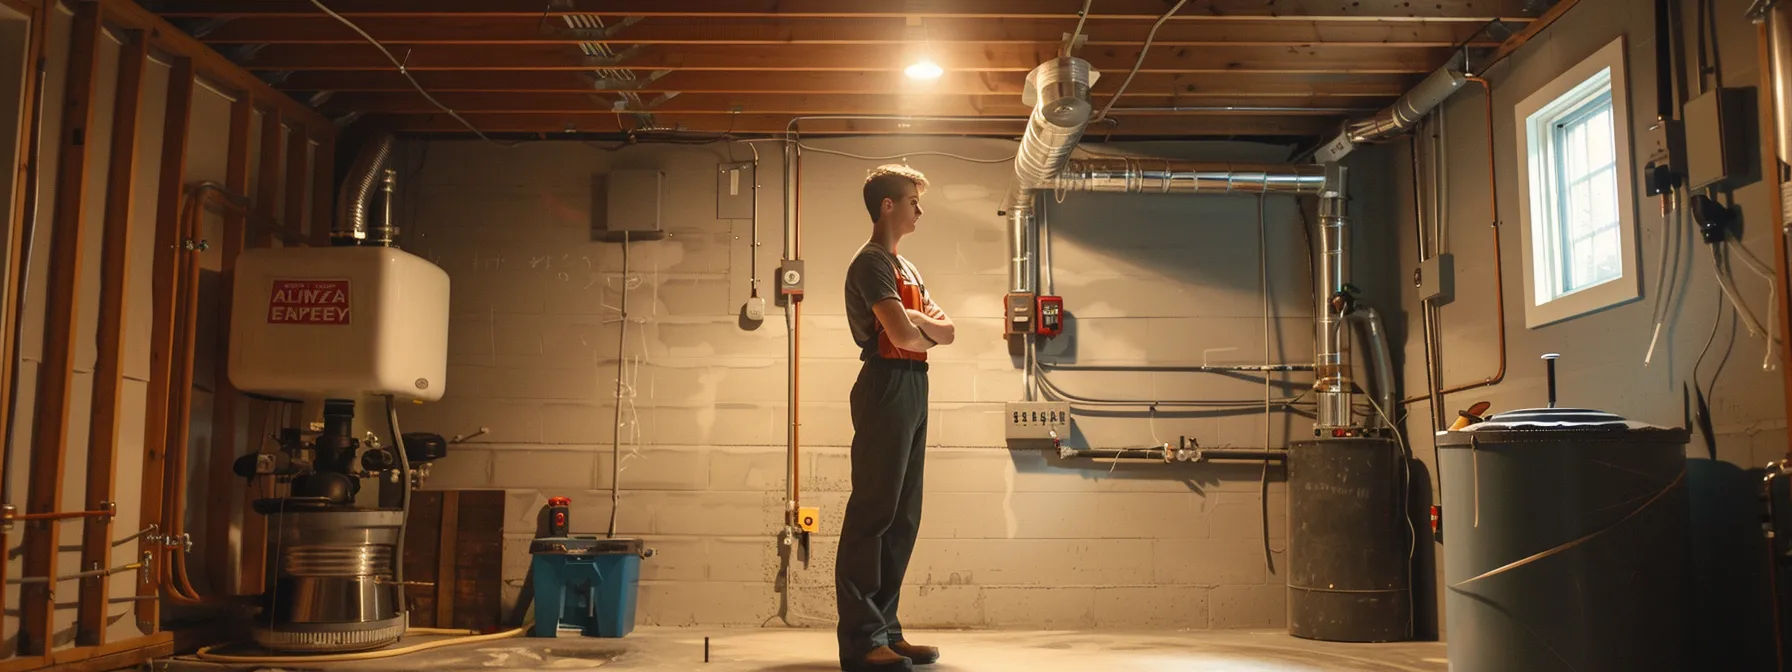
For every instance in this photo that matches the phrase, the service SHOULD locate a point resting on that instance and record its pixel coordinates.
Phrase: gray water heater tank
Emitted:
(1565, 544)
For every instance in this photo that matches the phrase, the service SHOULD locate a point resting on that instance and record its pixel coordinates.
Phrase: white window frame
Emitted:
(1532, 157)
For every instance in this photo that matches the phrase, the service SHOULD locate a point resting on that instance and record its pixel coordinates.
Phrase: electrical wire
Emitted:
(1080, 18)
(1672, 225)
(1263, 288)
(1137, 64)
(402, 70)
(1412, 534)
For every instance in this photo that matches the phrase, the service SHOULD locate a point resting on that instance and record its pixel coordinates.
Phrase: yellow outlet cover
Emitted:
(809, 519)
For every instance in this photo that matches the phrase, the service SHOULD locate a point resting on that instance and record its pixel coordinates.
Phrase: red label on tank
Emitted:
(309, 302)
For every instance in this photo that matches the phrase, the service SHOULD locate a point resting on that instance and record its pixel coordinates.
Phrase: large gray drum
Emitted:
(1565, 544)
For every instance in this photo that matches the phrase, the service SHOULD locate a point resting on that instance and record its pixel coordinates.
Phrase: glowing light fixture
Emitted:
(924, 69)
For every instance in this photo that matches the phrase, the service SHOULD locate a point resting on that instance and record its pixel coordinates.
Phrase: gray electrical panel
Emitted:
(627, 205)
(1716, 136)
(1031, 421)
(734, 191)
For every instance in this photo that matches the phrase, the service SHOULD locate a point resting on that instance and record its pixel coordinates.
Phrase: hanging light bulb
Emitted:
(924, 68)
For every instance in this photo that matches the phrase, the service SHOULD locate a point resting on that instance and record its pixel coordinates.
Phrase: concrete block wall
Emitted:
(1009, 539)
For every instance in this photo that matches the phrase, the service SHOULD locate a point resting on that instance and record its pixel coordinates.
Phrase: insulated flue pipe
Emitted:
(1397, 118)
(1331, 359)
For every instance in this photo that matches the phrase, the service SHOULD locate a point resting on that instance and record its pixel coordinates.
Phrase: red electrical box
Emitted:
(1051, 316)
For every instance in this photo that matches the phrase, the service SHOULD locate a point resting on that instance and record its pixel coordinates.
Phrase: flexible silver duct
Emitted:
(1331, 360)
(1058, 91)
(1397, 118)
(1375, 336)
(363, 179)
(1135, 175)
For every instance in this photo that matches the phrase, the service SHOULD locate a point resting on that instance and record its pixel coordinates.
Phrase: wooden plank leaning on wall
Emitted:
(25, 179)
(50, 424)
(165, 276)
(221, 491)
(108, 372)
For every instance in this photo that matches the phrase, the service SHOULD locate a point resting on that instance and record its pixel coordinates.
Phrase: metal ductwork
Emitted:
(1398, 118)
(1058, 91)
(1134, 175)
(364, 178)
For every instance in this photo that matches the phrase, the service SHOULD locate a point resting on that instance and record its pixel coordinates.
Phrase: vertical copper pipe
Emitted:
(1499, 276)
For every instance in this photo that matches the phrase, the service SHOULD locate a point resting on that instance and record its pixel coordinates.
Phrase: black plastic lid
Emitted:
(585, 546)
(1554, 418)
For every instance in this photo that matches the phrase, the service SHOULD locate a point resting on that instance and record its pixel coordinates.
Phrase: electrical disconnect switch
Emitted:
(1436, 279)
(1020, 314)
(1051, 316)
(790, 279)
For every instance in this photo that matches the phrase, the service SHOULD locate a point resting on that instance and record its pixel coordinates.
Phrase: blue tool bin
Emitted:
(586, 582)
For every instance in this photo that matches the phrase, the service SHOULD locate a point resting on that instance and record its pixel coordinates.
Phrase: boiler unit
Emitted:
(340, 329)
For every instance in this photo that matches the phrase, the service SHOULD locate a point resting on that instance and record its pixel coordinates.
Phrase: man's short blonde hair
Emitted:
(886, 181)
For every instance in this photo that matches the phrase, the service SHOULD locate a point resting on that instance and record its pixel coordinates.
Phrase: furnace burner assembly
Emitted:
(351, 327)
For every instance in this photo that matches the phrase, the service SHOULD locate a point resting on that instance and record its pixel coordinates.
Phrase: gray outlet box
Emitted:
(1716, 132)
(1036, 420)
(1436, 279)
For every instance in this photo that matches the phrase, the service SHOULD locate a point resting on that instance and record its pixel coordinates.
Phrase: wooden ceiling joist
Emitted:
(1358, 10)
(724, 103)
(853, 58)
(319, 29)
(1128, 126)
(967, 83)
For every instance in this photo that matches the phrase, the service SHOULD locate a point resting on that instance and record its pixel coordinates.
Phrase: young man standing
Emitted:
(894, 323)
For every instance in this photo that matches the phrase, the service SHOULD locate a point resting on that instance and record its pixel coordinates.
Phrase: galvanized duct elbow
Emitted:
(364, 178)
(1058, 91)
(1132, 175)
(1397, 118)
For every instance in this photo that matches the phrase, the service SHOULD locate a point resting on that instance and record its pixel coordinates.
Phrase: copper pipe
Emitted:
(1499, 276)
(58, 515)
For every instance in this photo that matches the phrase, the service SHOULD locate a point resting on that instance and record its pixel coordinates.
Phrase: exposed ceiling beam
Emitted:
(724, 103)
(1157, 126)
(1006, 83)
(535, 30)
(854, 58)
(1362, 10)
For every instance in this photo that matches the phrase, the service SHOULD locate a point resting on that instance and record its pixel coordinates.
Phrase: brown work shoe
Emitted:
(921, 655)
(881, 659)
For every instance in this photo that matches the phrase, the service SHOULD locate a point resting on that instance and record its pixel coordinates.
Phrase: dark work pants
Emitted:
(889, 421)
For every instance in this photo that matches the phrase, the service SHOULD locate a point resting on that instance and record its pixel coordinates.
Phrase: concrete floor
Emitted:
(812, 650)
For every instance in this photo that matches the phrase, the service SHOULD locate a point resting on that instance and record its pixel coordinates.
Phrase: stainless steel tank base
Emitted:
(333, 581)
(330, 637)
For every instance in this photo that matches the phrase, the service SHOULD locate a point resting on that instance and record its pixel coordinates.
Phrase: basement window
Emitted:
(1579, 214)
